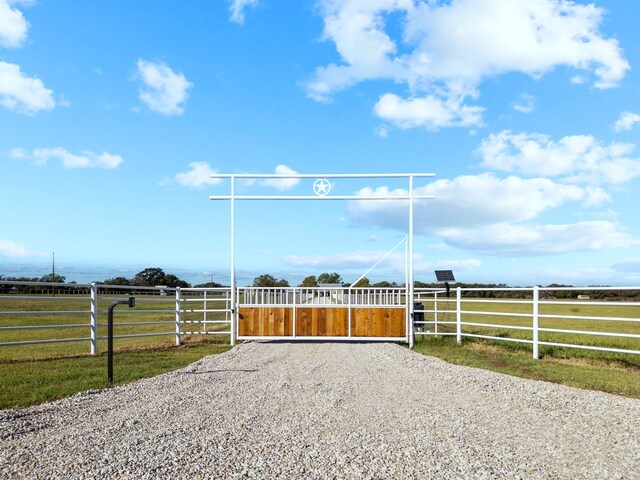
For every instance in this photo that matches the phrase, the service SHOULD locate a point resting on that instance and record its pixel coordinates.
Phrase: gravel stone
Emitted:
(325, 410)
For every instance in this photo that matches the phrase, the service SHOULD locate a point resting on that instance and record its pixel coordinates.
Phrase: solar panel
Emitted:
(445, 276)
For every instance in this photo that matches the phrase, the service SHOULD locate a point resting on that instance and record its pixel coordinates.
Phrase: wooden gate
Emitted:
(336, 313)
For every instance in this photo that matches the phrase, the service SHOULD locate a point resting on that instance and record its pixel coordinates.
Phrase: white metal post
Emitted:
(459, 315)
(435, 311)
(295, 302)
(204, 320)
(410, 284)
(232, 341)
(178, 315)
(536, 297)
(94, 318)
(349, 312)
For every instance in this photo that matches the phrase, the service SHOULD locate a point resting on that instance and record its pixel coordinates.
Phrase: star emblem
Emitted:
(321, 187)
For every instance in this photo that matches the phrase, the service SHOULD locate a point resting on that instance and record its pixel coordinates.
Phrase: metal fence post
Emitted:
(178, 315)
(536, 304)
(204, 320)
(435, 312)
(294, 305)
(459, 315)
(94, 318)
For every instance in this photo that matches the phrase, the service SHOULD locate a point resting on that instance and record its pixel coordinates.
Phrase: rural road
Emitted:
(325, 410)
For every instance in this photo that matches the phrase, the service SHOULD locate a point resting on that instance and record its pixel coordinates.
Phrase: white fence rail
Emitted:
(566, 317)
(590, 318)
(327, 296)
(24, 308)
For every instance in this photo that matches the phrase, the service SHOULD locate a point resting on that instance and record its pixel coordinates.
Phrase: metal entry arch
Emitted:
(322, 188)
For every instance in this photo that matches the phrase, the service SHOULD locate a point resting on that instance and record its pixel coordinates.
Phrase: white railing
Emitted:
(566, 317)
(185, 311)
(324, 296)
(591, 318)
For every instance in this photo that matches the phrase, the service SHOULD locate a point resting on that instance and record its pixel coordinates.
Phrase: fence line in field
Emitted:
(537, 316)
(534, 298)
(94, 293)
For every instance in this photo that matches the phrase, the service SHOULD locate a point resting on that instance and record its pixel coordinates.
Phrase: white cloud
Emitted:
(13, 26)
(471, 39)
(448, 48)
(40, 157)
(357, 259)
(12, 249)
(577, 158)
(469, 200)
(491, 215)
(198, 175)
(512, 239)
(429, 111)
(524, 104)
(626, 121)
(165, 91)
(382, 131)
(281, 183)
(21, 93)
(238, 7)
(631, 265)
(363, 259)
(460, 265)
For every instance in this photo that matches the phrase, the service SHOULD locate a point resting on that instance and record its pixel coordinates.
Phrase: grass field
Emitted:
(620, 377)
(157, 312)
(496, 325)
(35, 373)
(31, 381)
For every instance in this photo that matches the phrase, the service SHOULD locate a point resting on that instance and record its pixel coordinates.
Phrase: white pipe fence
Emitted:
(171, 302)
(539, 316)
(591, 318)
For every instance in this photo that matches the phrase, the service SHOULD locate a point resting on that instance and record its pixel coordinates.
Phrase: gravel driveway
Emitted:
(325, 410)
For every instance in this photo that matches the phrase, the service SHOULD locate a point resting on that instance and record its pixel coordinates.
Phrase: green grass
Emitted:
(584, 323)
(34, 374)
(37, 373)
(31, 381)
(617, 376)
(123, 320)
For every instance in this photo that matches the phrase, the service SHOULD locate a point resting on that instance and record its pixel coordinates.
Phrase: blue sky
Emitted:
(113, 115)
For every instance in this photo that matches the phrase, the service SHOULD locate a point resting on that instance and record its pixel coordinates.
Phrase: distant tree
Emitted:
(173, 281)
(329, 278)
(209, 285)
(363, 282)
(149, 277)
(310, 281)
(384, 284)
(267, 280)
(117, 281)
(52, 278)
(153, 277)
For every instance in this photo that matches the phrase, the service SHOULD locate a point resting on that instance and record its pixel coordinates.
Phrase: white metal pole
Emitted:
(435, 311)
(294, 306)
(233, 265)
(205, 313)
(536, 297)
(410, 285)
(349, 312)
(94, 318)
(178, 315)
(459, 315)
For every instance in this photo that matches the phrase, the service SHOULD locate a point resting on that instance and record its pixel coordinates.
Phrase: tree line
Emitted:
(154, 277)
(267, 280)
(149, 277)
